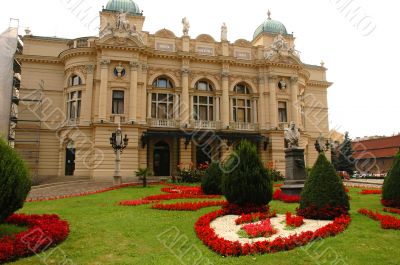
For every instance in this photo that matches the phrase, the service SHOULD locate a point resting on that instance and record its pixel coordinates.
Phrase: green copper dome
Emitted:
(124, 5)
(270, 26)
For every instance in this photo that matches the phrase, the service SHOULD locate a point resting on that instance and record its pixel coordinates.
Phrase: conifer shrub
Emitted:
(246, 181)
(391, 185)
(15, 182)
(323, 196)
(211, 182)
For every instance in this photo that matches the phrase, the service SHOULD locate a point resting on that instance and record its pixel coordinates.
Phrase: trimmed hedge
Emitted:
(323, 195)
(15, 182)
(246, 181)
(211, 182)
(391, 185)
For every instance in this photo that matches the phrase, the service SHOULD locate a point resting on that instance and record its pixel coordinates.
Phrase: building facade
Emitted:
(179, 99)
(375, 155)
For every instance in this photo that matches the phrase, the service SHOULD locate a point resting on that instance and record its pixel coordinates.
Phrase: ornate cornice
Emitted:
(76, 52)
(38, 59)
(315, 83)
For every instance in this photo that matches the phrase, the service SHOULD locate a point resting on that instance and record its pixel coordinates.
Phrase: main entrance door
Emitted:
(161, 159)
(69, 161)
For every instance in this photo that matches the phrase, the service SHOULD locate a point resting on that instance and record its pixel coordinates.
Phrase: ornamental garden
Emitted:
(236, 215)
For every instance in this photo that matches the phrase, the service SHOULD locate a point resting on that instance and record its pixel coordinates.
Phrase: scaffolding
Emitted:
(25, 118)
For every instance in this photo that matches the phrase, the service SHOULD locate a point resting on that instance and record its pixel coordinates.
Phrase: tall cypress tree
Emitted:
(345, 158)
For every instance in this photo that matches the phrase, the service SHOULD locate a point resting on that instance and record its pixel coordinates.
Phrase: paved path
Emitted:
(66, 188)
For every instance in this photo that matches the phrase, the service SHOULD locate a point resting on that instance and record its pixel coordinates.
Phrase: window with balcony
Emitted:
(117, 102)
(203, 108)
(75, 80)
(241, 103)
(74, 105)
(162, 106)
(282, 111)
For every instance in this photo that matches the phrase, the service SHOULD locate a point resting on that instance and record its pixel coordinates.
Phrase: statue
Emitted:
(224, 32)
(120, 70)
(122, 22)
(279, 43)
(292, 136)
(186, 26)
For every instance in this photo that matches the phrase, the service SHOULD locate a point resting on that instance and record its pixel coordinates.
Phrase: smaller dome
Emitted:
(270, 26)
(123, 5)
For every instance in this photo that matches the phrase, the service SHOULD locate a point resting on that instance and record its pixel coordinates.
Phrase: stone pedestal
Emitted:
(295, 171)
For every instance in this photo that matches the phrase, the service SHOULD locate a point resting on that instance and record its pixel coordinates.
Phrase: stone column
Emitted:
(217, 112)
(176, 107)
(191, 107)
(185, 103)
(103, 95)
(143, 93)
(149, 105)
(273, 115)
(254, 108)
(86, 113)
(225, 100)
(261, 103)
(133, 92)
(294, 88)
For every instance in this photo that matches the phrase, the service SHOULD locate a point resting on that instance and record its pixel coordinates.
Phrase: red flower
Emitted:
(263, 229)
(44, 232)
(364, 192)
(387, 221)
(279, 195)
(293, 220)
(187, 206)
(254, 217)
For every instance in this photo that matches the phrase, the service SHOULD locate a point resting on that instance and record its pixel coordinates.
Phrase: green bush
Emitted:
(14, 181)
(246, 181)
(323, 195)
(211, 182)
(391, 185)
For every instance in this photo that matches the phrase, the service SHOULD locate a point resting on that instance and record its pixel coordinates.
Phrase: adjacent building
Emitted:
(179, 99)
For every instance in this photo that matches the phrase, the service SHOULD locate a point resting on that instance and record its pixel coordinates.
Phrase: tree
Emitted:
(323, 195)
(143, 173)
(391, 185)
(345, 157)
(246, 181)
(15, 182)
(211, 182)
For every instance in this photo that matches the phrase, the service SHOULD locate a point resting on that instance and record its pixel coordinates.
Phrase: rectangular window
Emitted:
(282, 112)
(74, 105)
(118, 102)
(162, 106)
(203, 108)
(241, 110)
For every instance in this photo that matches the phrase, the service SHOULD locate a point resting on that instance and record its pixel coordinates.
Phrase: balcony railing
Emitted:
(283, 125)
(72, 122)
(163, 123)
(243, 126)
(117, 118)
(206, 124)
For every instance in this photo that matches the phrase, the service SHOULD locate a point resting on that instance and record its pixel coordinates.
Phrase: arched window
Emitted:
(75, 80)
(242, 103)
(162, 82)
(204, 85)
(203, 105)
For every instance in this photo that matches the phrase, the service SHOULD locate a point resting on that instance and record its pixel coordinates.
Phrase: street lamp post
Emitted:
(118, 144)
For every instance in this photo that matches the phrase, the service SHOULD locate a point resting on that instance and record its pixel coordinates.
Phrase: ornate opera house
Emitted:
(179, 99)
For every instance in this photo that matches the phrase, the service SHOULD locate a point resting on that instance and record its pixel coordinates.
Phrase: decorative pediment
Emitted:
(280, 49)
(205, 38)
(165, 33)
(243, 43)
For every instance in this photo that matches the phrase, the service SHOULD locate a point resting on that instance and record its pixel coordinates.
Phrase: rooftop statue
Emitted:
(186, 26)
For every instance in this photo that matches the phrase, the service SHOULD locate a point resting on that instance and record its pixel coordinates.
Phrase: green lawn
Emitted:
(103, 233)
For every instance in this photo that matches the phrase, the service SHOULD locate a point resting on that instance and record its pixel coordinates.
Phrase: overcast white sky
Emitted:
(362, 55)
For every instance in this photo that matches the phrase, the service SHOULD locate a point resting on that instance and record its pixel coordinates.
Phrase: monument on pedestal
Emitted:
(295, 176)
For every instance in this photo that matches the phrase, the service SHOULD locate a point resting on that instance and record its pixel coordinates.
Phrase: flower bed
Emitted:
(173, 196)
(137, 202)
(391, 203)
(279, 195)
(263, 229)
(365, 192)
(391, 210)
(254, 217)
(387, 221)
(234, 248)
(293, 220)
(327, 212)
(44, 231)
(187, 206)
(195, 190)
